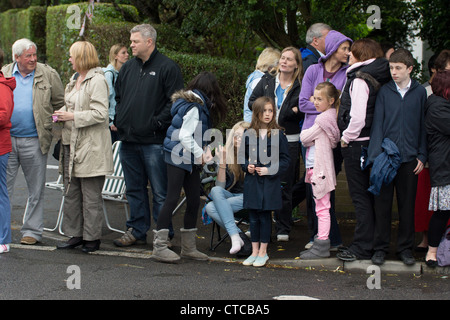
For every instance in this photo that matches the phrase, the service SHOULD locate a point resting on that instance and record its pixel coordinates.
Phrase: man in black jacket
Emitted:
(143, 93)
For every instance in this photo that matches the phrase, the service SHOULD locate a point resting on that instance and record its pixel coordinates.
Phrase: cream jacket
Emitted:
(90, 139)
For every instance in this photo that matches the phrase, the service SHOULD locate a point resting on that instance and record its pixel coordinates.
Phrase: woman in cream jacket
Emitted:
(86, 153)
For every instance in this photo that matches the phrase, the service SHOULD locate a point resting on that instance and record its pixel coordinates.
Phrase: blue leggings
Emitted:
(260, 225)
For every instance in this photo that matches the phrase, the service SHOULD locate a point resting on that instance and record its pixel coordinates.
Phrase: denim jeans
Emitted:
(142, 163)
(223, 207)
(5, 207)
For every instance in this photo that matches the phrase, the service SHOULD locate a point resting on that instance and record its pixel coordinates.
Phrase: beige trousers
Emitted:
(83, 210)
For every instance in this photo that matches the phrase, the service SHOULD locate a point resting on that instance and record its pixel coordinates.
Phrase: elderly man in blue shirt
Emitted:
(39, 92)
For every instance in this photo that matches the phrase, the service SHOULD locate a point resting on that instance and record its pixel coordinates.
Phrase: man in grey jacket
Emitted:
(39, 92)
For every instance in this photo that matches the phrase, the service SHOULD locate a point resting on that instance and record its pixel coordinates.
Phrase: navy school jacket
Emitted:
(264, 192)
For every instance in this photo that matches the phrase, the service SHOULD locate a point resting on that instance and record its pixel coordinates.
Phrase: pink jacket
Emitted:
(324, 134)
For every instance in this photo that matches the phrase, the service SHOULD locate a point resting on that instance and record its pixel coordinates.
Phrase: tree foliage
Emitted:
(239, 29)
(434, 22)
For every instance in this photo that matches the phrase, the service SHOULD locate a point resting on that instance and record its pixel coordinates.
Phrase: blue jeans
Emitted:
(5, 206)
(142, 163)
(223, 207)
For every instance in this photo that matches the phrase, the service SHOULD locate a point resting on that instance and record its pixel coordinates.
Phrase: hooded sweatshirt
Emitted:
(7, 86)
(315, 75)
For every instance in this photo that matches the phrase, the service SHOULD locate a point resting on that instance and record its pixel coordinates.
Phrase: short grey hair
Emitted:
(22, 45)
(146, 31)
(315, 31)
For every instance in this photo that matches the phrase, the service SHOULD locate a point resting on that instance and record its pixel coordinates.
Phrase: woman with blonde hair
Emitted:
(86, 155)
(227, 195)
(284, 89)
(267, 63)
(118, 55)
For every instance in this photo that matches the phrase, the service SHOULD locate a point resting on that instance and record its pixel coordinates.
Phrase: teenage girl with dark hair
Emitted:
(199, 107)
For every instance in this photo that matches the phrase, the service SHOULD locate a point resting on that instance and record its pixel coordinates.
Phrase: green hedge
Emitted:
(106, 28)
(230, 74)
(23, 23)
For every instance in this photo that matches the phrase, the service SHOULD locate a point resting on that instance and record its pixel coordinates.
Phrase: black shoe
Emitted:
(346, 255)
(378, 258)
(91, 246)
(431, 263)
(246, 249)
(71, 243)
(407, 257)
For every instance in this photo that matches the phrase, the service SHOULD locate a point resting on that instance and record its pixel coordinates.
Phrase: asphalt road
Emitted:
(43, 273)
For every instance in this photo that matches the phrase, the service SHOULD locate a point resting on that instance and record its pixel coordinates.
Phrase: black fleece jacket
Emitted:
(143, 95)
(287, 118)
(437, 120)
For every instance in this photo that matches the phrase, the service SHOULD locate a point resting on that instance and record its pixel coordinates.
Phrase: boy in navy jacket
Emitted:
(399, 116)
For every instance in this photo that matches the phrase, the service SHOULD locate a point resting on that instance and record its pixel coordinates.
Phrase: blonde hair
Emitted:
(232, 153)
(268, 60)
(113, 52)
(331, 92)
(298, 74)
(84, 55)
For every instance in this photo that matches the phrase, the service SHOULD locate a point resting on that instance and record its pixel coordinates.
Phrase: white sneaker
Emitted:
(282, 237)
(309, 245)
(4, 248)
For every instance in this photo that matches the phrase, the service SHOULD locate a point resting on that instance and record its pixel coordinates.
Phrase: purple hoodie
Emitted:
(314, 76)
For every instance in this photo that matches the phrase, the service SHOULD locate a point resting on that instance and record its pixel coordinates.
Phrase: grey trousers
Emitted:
(26, 153)
(83, 210)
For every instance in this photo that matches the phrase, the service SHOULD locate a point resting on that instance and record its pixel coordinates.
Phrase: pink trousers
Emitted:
(323, 206)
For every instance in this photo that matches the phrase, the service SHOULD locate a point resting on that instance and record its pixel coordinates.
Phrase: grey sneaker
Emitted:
(127, 239)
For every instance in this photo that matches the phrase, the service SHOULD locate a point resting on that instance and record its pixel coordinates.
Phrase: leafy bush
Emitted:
(230, 74)
(106, 28)
(23, 23)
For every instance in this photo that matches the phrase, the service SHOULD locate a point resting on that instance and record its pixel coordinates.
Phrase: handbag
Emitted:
(443, 251)
(56, 150)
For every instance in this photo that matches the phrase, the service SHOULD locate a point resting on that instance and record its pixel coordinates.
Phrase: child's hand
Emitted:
(207, 156)
(419, 167)
(251, 168)
(262, 171)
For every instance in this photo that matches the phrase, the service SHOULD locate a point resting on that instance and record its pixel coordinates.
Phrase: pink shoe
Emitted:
(4, 248)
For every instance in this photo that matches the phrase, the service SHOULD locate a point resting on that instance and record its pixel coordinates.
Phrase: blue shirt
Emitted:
(280, 96)
(22, 119)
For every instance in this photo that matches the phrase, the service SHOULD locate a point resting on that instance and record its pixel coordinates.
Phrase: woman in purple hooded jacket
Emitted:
(331, 68)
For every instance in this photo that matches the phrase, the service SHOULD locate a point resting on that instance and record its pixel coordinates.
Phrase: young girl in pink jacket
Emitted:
(320, 139)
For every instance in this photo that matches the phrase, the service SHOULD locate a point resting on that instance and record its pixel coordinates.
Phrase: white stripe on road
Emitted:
(290, 297)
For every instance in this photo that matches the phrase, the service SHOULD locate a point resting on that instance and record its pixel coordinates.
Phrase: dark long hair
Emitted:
(258, 110)
(207, 83)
